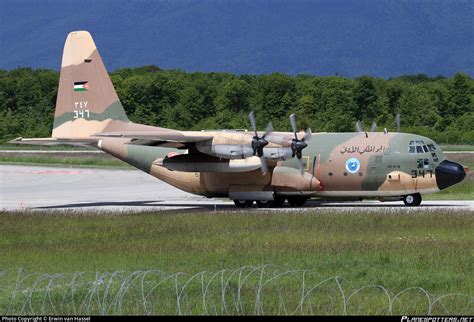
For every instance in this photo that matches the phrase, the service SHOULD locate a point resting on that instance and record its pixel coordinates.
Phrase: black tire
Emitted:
(412, 200)
(243, 203)
(278, 201)
(264, 203)
(297, 201)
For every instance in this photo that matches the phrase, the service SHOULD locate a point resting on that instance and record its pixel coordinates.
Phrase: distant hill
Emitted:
(350, 38)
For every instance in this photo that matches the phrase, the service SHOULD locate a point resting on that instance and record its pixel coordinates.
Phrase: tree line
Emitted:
(438, 107)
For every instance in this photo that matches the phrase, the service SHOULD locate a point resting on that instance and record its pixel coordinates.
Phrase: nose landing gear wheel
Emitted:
(412, 200)
(243, 203)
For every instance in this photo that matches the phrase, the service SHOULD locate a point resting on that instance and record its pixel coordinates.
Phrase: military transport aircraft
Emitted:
(263, 167)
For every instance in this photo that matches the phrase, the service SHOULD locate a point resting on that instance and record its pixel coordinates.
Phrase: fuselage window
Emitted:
(420, 163)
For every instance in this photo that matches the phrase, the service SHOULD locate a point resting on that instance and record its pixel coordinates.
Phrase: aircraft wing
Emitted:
(172, 136)
(172, 139)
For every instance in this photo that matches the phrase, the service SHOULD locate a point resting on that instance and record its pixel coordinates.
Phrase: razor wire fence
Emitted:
(248, 290)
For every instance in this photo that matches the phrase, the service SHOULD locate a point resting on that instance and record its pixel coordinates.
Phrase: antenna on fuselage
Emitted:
(358, 126)
(373, 128)
(397, 121)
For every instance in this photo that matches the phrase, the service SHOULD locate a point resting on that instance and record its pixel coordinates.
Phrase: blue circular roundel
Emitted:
(352, 165)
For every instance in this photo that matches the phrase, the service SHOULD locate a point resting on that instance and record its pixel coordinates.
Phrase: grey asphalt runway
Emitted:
(37, 187)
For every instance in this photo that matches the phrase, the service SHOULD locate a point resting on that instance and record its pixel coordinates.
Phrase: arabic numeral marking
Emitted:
(81, 114)
(421, 173)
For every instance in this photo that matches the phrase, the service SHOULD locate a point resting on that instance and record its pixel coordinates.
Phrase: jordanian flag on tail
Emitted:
(81, 86)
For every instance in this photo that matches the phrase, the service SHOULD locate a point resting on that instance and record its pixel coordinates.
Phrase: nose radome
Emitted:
(449, 173)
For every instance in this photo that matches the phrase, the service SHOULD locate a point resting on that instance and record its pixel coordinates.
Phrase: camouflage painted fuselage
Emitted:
(386, 168)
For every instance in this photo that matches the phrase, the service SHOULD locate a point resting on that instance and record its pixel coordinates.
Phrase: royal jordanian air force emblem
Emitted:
(352, 165)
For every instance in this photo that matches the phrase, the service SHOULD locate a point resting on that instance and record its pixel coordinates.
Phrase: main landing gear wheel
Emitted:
(275, 203)
(297, 201)
(412, 200)
(264, 203)
(278, 201)
(243, 203)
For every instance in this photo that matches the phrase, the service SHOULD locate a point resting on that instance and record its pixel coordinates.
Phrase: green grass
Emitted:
(454, 147)
(397, 250)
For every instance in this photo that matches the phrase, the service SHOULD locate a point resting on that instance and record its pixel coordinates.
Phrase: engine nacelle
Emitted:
(233, 147)
(288, 180)
(225, 150)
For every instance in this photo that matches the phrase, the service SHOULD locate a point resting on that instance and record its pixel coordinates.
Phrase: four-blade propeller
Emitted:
(298, 145)
(258, 143)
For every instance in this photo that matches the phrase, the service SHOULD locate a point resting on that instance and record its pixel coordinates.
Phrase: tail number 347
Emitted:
(421, 173)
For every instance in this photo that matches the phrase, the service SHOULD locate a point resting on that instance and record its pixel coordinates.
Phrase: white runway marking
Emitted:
(35, 187)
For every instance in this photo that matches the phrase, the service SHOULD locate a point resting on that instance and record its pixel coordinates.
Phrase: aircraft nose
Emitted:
(449, 173)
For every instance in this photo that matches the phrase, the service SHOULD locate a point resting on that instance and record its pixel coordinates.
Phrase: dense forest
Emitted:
(437, 107)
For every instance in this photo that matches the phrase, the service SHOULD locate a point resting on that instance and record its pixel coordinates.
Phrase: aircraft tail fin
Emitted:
(87, 102)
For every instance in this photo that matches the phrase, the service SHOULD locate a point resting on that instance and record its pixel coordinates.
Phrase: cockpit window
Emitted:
(419, 146)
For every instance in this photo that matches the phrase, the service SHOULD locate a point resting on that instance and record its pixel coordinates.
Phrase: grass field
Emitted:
(104, 261)
(454, 147)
